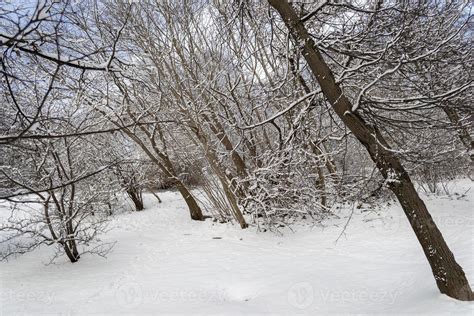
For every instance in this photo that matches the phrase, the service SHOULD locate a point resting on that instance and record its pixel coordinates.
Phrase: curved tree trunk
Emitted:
(164, 163)
(463, 134)
(211, 157)
(136, 197)
(449, 276)
(462, 130)
(72, 254)
(194, 208)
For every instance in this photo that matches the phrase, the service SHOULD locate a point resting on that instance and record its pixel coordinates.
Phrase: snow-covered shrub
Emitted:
(62, 195)
(288, 186)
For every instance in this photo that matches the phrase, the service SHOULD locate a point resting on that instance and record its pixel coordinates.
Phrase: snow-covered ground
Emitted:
(163, 263)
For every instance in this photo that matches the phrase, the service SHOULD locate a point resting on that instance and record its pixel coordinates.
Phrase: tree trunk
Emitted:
(194, 208)
(166, 166)
(72, 254)
(233, 204)
(449, 276)
(463, 134)
(155, 195)
(322, 187)
(462, 131)
(211, 157)
(136, 198)
(70, 246)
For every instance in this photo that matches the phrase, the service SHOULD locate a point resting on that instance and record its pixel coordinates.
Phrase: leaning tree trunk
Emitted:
(449, 276)
(166, 166)
(135, 195)
(462, 131)
(194, 208)
(73, 254)
(463, 134)
(70, 249)
(211, 157)
(70, 245)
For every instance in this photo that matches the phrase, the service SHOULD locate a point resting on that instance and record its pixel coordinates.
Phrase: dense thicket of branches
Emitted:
(224, 102)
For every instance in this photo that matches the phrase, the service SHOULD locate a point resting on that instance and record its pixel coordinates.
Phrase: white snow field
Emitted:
(164, 263)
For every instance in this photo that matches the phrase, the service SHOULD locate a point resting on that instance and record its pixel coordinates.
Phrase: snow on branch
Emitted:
(287, 109)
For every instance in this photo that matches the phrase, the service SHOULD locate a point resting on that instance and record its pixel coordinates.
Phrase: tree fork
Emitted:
(449, 276)
(166, 166)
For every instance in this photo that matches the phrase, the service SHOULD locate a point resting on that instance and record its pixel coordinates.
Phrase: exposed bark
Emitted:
(194, 208)
(227, 182)
(234, 205)
(72, 254)
(330, 165)
(67, 242)
(155, 195)
(136, 198)
(322, 186)
(449, 276)
(221, 135)
(462, 131)
(166, 166)
(160, 159)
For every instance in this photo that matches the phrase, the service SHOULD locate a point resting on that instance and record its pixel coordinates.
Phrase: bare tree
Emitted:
(56, 201)
(449, 276)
